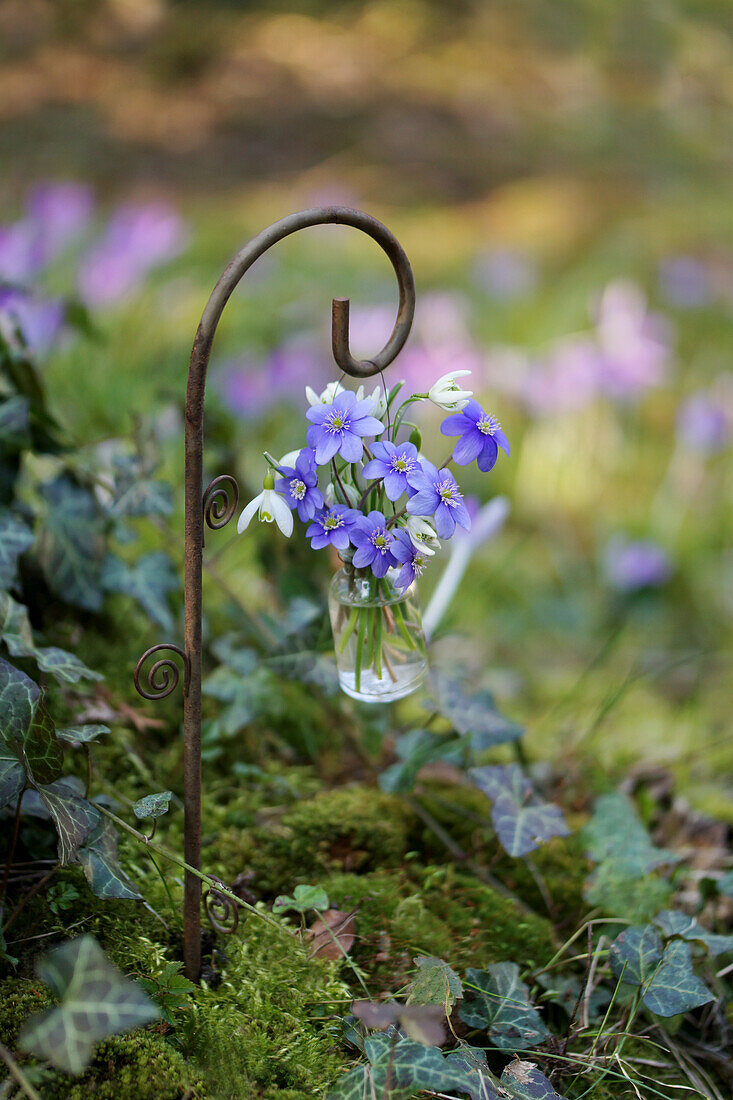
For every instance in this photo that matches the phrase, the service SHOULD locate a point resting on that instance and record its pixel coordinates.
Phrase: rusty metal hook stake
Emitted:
(215, 506)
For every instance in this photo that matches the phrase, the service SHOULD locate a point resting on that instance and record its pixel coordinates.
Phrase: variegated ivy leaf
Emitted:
(521, 819)
(436, 983)
(414, 1068)
(12, 775)
(71, 545)
(152, 805)
(674, 923)
(525, 1081)
(15, 630)
(616, 836)
(473, 713)
(75, 818)
(148, 580)
(665, 977)
(82, 735)
(15, 538)
(96, 1000)
(98, 858)
(480, 1083)
(497, 1000)
(44, 753)
(19, 696)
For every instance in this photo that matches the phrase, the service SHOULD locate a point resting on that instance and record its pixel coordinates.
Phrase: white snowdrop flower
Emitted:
(290, 458)
(270, 507)
(422, 534)
(333, 389)
(447, 394)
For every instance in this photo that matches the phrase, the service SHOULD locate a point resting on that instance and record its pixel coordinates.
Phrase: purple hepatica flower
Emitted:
(411, 557)
(137, 238)
(480, 436)
(703, 424)
(39, 321)
(393, 463)
(568, 381)
(373, 541)
(59, 213)
(634, 343)
(331, 527)
(437, 494)
(338, 428)
(631, 565)
(299, 485)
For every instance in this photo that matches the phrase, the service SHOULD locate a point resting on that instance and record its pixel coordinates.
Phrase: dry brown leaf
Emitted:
(332, 934)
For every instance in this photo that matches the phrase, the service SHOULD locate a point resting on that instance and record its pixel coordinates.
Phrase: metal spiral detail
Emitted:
(162, 677)
(222, 912)
(218, 506)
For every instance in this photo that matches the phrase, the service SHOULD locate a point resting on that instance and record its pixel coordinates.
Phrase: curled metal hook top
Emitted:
(324, 215)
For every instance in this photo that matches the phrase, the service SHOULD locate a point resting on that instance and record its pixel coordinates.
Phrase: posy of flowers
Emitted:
(380, 502)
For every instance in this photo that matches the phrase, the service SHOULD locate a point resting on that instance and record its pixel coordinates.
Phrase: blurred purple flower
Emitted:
(629, 565)
(19, 261)
(634, 343)
(703, 423)
(252, 389)
(137, 238)
(39, 320)
(685, 281)
(505, 273)
(59, 212)
(569, 379)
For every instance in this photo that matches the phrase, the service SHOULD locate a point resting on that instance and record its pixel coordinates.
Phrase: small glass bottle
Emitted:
(378, 635)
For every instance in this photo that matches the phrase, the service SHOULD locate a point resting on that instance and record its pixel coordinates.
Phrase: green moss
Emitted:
(355, 829)
(260, 1031)
(435, 911)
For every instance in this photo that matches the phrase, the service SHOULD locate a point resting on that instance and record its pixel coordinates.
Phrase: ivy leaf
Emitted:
(15, 538)
(98, 858)
(497, 1000)
(248, 696)
(71, 543)
(152, 805)
(674, 923)
(615, 835)
(82, 735)
(16, 632)
(19, 696)
(415, 749)
(12, 776)
(473, 713)
(521, 819)
(436, 983)
(667, 981)
(148, 581)
(95, 1001)
(525, 1081)
(43, 751)
(141, 497)
(15, 423)
(73, 816)
(304, 898)
(479, 1082)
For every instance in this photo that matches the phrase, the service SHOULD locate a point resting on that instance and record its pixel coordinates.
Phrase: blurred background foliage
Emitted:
(559, 174)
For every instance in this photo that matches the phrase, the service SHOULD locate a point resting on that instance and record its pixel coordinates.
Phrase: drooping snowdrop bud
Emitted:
(446, 393)
(422, 534)
(270, 507)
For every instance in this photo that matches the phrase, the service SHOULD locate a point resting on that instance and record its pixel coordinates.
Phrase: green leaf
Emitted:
(674, 923)
(44, 752)
(666, 979)
(436, 983)
(304, 898)
(18, 698)
(74, 817)
(415, 749)
(148, 581)
(15, 424)
(725, 884)
(479, 1081)
(521, 819)
(98, 858)
(152, 805)
(616, 835)
(71, 543)
(473, 713)
(12, 776)
(95, 1001)
(82, 735)
(497, 1000)
(15, 630)
(525, 1081)
(248, 696)
(4, 954)
(15, 538)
